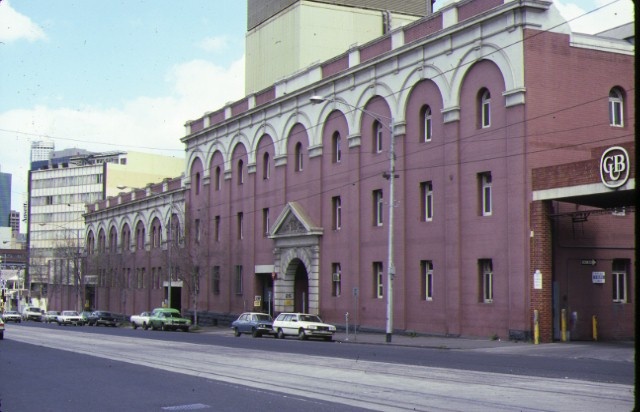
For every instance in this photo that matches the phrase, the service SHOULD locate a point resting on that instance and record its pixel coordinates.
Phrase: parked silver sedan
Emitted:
(11, 316)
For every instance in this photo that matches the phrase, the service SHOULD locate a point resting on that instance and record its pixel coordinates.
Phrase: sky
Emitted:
(128, 74)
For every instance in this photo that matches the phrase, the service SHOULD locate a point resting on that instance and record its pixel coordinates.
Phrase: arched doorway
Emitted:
(300, 287)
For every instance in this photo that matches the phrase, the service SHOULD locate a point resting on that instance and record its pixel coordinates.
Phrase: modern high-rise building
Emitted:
(14, 222)
(5, 199)
(42, 151)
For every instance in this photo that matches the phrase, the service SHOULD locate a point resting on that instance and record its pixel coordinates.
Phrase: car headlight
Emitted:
(312, 327)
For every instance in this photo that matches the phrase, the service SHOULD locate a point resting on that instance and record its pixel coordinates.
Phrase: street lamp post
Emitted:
(391, 175)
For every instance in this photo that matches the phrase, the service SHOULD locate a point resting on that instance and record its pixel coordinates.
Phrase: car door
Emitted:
(291, 325)
(242, 323)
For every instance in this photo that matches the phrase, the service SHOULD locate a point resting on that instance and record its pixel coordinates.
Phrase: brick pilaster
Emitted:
(540, 254)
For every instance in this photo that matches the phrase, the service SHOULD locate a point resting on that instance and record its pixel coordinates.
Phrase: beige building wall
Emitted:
(140, 170)
(305, 33)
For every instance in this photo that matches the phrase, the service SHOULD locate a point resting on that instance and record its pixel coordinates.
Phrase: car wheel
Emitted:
(280, 334)
(134, 326)
(301, 335)
(236, 332)
(328, 338)
(185, 329)
(1, 335)
(255, 333)
(163, 327)
(145, 326)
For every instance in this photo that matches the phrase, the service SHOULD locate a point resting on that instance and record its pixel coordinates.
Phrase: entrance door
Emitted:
(176, 296)
(301, 289)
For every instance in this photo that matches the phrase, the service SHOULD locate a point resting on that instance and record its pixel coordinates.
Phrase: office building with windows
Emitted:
(59, 191)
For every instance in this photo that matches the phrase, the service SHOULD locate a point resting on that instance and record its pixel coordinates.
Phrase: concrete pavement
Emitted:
(621, 351)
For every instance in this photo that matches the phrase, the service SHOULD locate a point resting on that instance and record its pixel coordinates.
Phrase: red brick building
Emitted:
(506, 195)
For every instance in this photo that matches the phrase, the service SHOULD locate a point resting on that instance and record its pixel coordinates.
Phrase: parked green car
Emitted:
(168, 319)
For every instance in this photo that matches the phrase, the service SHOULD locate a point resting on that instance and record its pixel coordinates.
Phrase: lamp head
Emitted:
(317, 99)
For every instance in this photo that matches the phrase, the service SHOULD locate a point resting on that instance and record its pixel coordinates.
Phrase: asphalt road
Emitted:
(318, 374)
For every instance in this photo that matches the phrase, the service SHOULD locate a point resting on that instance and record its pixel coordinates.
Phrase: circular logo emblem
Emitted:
(614, 167)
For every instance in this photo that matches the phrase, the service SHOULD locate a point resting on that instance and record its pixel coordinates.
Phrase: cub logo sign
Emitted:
(614, 167)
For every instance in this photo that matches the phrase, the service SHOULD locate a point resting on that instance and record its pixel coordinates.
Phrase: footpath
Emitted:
(621, 351)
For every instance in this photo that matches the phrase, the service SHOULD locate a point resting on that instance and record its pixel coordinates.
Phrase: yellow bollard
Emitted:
(536, 328)
(563, 325)
(594, 323)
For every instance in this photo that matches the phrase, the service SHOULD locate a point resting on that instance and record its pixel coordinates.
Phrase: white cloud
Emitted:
(149, 124)
(609, 14)
(214, 44)
(15, 26)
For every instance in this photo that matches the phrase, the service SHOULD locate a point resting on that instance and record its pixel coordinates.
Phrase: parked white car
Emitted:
(302, 325)
(32, 313)
(70, 317)
(141, 320)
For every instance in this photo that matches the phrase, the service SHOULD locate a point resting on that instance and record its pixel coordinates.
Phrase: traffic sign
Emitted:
(588, 262)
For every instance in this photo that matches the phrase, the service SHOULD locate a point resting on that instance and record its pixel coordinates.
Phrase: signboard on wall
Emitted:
(537, 279)
(597, 277)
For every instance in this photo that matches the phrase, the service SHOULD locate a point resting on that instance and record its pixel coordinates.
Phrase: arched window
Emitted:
(266, 167)
(218, 176)
(197, 183)
(377, 137)
(140, 236)
(299, 157)
(156, 235)
(101, 241)
(337, 148)
(240, 172)
(113, 240)
(126, 238)
(616, 107)
(426, 124)
(91, 244)
(484, 108)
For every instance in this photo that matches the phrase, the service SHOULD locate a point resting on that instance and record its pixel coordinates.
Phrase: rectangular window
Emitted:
(337, 212)
(240, 225)
(378, 207)
(265, 222)
(484, 183)
(427, 124)
(486, 280)
(619, 280)
(426, 267)
(337, 149)
(336, 279)
(378, 137)
(197, 230)
(215, 280)
(238, 280)
(426, 189)
(217, 228)
(378, 280)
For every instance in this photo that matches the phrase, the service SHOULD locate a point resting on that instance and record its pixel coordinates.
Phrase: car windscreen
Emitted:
(263, 318)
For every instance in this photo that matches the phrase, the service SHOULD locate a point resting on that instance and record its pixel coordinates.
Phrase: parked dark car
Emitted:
(101, 317)
(89, 318)
(255, 323)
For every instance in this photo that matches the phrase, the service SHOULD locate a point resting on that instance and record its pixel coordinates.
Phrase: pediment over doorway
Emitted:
(293, 221)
